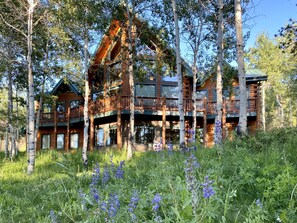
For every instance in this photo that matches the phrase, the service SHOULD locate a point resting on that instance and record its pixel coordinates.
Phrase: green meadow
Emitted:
(247, 180)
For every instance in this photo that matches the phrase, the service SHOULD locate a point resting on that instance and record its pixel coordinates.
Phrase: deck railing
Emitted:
(147, 103)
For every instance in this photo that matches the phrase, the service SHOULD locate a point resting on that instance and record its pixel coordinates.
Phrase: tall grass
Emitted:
(253, 179)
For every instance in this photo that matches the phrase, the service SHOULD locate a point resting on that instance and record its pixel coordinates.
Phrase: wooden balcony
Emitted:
(146, 103)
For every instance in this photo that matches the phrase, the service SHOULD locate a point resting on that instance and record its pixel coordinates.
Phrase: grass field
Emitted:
(248, 180)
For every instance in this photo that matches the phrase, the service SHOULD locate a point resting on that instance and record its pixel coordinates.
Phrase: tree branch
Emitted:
(11, 26)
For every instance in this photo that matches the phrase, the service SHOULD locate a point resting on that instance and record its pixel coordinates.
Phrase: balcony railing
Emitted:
(147, 103)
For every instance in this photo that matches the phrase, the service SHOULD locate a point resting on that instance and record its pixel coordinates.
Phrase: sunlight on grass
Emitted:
(251, 180)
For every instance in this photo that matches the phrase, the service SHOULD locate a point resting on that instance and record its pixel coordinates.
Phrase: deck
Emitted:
(113, 104)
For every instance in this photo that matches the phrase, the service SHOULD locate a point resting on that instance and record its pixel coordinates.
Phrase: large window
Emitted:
(145, 90)
(99, 138)
(144, 134)
(201, 94)
(169, 91)
(46, 141)
(74, 141)
(60, 141)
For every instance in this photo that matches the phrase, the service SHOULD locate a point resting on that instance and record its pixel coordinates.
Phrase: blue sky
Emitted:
(269, 16)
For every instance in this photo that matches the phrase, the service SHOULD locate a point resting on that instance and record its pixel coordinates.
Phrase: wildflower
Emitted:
(258, 203)
(207, 188)
(132, 205)
(170, 147)
(106, 175)
(191, 165)
(114, 205)
(82, 197)
(158, 146)
(53, 217)
(191, 132)
(156, 202)
(120, 172)
(96, 175)
(218, 132)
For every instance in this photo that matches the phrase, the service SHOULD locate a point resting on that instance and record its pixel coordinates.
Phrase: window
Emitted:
(170, 91)
(60, 141)
(46, 110)
(46, 141)
(146, 90)
(74, 141)
(74, 104)
(144, 134)
(237, 92)
(169, 78)
(99, 138)
(201, 94)
(113, 136)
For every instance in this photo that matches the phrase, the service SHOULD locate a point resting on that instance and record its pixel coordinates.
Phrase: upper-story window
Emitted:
(201, 94)
(170, 91)
(145, 90)
(169, 78)
(114, 73)
(74, 104)
(46, 110)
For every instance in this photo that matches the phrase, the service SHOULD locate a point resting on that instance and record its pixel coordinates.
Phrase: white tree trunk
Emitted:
(242, 125)
(218, 120)
(86, 102)
(6, 144)
(131, 139)
(10, 119)
(180, 78)
(194, 70)
(31, 121)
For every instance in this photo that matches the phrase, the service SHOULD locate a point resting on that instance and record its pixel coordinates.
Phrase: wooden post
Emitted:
(119, 124)
(164, 122)
(91, 137)
(224, 119)
(205, 123)
(67, 144)
(55, 130)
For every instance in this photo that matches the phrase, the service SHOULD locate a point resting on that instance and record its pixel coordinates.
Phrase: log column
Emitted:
(205, 123)
(55, 130)
(91, 142)
(164, 122)
(119, 124)
(224, 119)
(67, 144)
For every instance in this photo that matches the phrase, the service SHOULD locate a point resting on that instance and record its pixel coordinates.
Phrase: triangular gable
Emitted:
(61, 83)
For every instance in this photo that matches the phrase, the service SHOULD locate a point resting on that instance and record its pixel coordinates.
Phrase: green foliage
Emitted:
(254, 181)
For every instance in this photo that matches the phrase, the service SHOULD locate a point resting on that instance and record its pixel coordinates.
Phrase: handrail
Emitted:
(147, 103)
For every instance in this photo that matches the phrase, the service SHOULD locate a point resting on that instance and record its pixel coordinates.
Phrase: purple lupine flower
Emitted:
(82, 196)
(113, 205)
(133, 202)
(106, 175)
(96, 175)
(191, 165)
(191, 132)
(120, 172)
(158, 146)
(103, 206)
(53, 217)
(218, 132)
(132, 205)
(170, 147)
(259, 203)
(207, 188)
(156, 202)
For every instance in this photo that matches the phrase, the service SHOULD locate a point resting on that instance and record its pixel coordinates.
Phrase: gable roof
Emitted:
(62, 83)
(255, 75)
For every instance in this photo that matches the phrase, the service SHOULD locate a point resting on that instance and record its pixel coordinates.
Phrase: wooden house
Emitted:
(156, 96)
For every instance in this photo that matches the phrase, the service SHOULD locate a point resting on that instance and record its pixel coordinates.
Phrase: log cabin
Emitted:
(156, 96)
